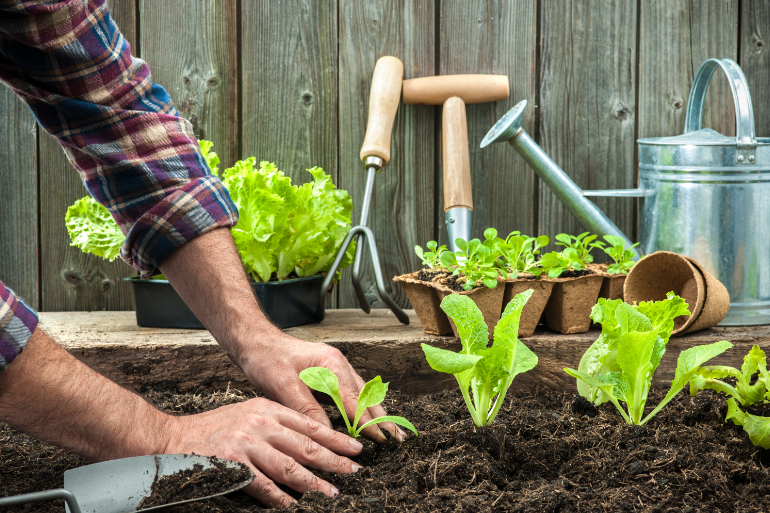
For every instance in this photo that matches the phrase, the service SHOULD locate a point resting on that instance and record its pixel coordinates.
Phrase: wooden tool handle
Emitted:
(470, 88)
(457, 162)
(383, 103)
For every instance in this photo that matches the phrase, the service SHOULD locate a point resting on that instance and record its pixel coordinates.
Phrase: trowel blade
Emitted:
(118, 486)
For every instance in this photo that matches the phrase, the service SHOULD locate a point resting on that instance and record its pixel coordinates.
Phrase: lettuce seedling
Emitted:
(710, 378)
(211, 158)
(582, 244)
(622, 361)
(555, 263)
(474, 261)
(517, 253)
(758, 428)
(431, 258)
(323, 380)
(622, 256)
(483, 373)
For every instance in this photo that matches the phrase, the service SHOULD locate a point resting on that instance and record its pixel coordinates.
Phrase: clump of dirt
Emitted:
(454, 283)
(194, 483)
(546, 451)
(431, 274)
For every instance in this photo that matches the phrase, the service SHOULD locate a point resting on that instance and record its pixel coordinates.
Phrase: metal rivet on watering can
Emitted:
(451, 219)
(751, 158)
(740, 158)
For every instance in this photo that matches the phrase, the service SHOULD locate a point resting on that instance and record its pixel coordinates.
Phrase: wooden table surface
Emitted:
(376, 344)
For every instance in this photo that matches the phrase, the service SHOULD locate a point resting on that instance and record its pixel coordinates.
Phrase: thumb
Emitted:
(303, 402)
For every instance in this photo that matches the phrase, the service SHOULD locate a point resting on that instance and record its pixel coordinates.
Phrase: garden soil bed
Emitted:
(546, 451)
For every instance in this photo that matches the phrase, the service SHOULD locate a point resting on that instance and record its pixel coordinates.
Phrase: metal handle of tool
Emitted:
(745, 137)
(458, 194)
(47, 495)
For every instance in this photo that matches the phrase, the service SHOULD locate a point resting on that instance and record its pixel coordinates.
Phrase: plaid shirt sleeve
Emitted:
(17, 323)
(68, 61)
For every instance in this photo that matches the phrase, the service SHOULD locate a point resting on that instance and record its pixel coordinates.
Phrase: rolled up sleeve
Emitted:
(136, 156)
(17, 323)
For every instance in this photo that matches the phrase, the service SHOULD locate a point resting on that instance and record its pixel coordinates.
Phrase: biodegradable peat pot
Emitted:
(488, 300)
(426, 303)
(655, 275)
(715, 306)
(286, 303)
(533, 310)
(612, 286)
(569, 307)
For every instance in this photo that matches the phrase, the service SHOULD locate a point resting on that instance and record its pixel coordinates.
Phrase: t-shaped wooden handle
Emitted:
(469, 88)
(383, 103)
(455, 156)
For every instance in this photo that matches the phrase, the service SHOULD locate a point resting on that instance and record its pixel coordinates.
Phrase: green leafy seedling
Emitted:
(474, 261)
(431, 258)
(518, 251)
(555, 262)
(323, 380)
(622, 361)
(620, 254)
(582, 244)
(758, 428)
(710, 378)
(483, 373)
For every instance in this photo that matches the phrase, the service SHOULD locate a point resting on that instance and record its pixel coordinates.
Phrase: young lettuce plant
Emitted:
(622, 361)
(555, 263)
(483, 373)
(431, 258)
(620, 254)
(323, 380)
(517, 253)
(474, 261)
(582, 244)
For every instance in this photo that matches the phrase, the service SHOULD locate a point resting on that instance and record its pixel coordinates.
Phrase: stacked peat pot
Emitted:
(566, 284)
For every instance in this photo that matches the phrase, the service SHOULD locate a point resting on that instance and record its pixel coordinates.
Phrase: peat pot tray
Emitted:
(377, 344)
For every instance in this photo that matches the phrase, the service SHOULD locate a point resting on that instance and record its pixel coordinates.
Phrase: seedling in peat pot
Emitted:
(582, 244)
(518, 252)
(622, 256)
(486, 371)
(623, 359)
(431, 258)
(474, 261)
(555, 263)
(323, 380)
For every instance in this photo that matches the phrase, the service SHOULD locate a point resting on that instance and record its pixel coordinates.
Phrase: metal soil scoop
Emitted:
(118, 486)
(702, 194)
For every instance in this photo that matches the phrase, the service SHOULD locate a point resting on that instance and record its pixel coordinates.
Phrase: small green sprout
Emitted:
(620, 254)
(431, 258)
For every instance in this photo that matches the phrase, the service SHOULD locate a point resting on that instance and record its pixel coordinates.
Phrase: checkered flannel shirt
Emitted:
(70, 64)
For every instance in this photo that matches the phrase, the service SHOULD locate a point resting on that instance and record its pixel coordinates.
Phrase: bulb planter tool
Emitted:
(701, 194)
(454, 92)
(118, 486)
(375, 154)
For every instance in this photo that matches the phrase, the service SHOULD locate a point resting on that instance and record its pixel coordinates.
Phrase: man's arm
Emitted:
(50, 395)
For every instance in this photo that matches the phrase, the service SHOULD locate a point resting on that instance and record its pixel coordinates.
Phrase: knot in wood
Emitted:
(677, 104)
(74, 278)
(759, 45)
(211, 83)
(621, 111)
(106, 285)
(308, 98)
(375, 22)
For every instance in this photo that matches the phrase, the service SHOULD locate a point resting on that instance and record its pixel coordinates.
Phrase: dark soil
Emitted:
(454, 283)
(431, 274)
(576, 274)
(194, 483)
(546, 451)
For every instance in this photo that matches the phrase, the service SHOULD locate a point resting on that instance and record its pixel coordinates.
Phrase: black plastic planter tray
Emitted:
(286, 303)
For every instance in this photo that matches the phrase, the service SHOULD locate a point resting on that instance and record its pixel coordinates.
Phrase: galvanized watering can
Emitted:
(702, 194)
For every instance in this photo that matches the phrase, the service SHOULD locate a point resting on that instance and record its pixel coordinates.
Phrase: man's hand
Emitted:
(208, 274)
(274, 441)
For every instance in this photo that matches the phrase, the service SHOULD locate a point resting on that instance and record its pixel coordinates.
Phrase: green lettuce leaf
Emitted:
(211, 158)
(92, 229)
(758, 428)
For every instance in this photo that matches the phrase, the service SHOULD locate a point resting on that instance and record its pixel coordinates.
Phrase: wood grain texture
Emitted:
(18, 198)
(70, 279)
(402, 209)
(675, 37)
(191, 48)
(493, 37)
(588, 106)
(289, 66)
(755, 59)
(375, 344)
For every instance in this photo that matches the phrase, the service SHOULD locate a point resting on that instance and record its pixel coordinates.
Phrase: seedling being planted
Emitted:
(622, 256)
(323, 380)
(620, 364)
(483, 373)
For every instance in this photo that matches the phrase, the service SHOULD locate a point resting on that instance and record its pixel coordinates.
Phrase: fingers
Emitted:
(283, 469)
(304, 450)
(379, 411)
(266, 492)
(333, 440)
(302, 401)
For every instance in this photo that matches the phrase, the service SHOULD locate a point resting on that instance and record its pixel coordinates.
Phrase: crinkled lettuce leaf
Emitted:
(211, 158)
(92, 229)
(285, 228)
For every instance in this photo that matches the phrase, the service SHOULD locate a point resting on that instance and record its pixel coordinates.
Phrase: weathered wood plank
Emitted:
(18, 198)
(376, 344)
(493, 37)
(675, 38)
(402, 210)
(70, 279)
(755, 59)
(191, 48)
(588, 105)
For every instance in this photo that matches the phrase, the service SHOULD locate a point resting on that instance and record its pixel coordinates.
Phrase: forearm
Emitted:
(49, 394)
(208, 274)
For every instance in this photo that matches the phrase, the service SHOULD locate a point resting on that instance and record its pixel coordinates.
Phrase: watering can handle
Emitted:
(744, 113)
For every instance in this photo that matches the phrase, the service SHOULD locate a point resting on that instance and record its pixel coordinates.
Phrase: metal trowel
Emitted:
(118, 486)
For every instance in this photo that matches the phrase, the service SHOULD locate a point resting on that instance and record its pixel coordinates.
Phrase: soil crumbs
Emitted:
(194, 483)
(546, 451)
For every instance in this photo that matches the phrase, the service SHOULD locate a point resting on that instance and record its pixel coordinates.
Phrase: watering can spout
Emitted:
(509, 129)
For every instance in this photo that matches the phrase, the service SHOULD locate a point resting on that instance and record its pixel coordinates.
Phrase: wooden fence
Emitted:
(288, 81)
